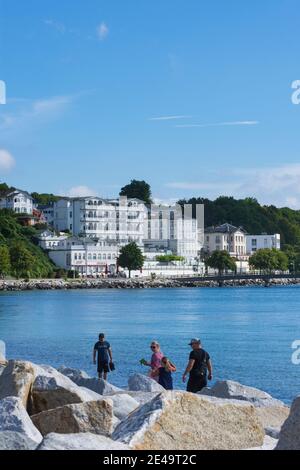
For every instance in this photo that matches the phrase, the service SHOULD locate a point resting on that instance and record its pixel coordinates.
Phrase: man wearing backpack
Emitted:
(198, 365)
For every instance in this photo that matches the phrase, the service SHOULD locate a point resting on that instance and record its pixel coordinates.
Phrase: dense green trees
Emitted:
(137, 189)
(221, 260)
(131, 257)
(44, 199)
(5, 266)
(18, 244)
(248, 213)
(268, 260)
(168, 258)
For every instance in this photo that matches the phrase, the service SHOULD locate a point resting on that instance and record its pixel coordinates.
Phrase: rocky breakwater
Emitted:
(43, 408)
(62, 284)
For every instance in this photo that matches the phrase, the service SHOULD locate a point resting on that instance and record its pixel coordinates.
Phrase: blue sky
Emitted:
(87, 79)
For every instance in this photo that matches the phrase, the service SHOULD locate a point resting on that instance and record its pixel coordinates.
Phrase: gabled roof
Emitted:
(224, 228)
(10, 192)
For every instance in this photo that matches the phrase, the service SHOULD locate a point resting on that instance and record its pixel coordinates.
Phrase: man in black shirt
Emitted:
(199, 364)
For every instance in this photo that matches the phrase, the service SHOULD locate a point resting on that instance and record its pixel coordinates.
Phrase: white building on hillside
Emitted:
(226, 237)
(120, 220)
(169, 229)
(18, 201)
(86, 256)
(258, 242)
(49, 240)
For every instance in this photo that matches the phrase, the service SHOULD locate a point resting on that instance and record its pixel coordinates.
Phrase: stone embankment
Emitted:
(42, 408)
(61, 284)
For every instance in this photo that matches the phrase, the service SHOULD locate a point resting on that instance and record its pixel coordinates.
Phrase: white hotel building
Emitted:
(86, 256)
(120, 220)
(18, 201)
(259, 242)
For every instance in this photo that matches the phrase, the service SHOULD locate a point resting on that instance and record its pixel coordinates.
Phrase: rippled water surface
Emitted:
(247, 331)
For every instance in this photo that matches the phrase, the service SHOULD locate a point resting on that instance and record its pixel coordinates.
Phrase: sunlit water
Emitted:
(247, 331)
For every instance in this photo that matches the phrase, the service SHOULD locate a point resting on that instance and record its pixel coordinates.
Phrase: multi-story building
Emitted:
(169, 229)
(226, 237)
(18, 201)
(86, 256)
(258, 242)
(49, 240)
(48, 213)
(121, 220)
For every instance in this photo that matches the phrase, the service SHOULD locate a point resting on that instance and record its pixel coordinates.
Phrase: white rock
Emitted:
(16, 380)
(123, 405)
(289, 437)
(79, 377)
(52, 389)
(10, 440)
(269, 444)
(139, 382)
(14, 418)
(230, 389)
(186, 421)
(143, 397)
(81, 441)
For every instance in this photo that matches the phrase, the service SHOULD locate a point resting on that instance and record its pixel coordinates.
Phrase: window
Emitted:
(94, 256)
(254, 242)
(71, 215)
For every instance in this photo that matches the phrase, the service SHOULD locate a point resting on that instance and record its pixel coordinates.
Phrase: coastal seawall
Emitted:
(61, 284)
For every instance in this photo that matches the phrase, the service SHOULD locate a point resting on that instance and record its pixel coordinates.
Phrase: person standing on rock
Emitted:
(198, 365)
(164, 373)
(104, 351)
(156, 358)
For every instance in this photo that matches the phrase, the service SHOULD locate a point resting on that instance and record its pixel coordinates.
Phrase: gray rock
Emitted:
(272, 432)
(14, 418)
(91, 416)
(100, 386)
(16, 380)
(142, 383)
(51, 389)
(123, 405)
(186, 421)
(81, 441)
(289, 437)
(11, 440)
(230, 389)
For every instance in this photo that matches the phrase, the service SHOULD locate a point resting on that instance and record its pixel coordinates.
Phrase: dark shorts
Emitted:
(196, 384)
(103, 367)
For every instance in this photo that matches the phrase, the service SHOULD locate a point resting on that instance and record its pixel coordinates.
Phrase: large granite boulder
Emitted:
(80, 441)
(91, 416)
(142, 383)
(272, 418)
(16, 428)
(51, 389)
(186, 421)
(289, 437)
(79, 377)
(123, 405)
(235, 390)
(16, 380)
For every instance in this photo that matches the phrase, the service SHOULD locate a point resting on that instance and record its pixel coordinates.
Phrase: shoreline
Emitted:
(61, 284)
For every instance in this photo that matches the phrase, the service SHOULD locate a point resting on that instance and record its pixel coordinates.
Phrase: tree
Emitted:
(21, 259)
(4, 261)
(131, 257)
(137, 189)
(269, 260)
(44, 199)
(168, 258)
(221, 260)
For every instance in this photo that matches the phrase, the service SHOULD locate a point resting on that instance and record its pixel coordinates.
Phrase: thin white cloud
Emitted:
(29, 112)
(7, 161)
(220, 124)
(58, 26)
(102, 31)
(79, 191)
(169, 118)
(271, 185)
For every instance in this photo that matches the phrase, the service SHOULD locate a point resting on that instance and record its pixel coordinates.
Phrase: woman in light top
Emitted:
(156, 358)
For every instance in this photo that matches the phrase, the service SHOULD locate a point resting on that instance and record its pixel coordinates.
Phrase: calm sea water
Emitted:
(247, 331)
